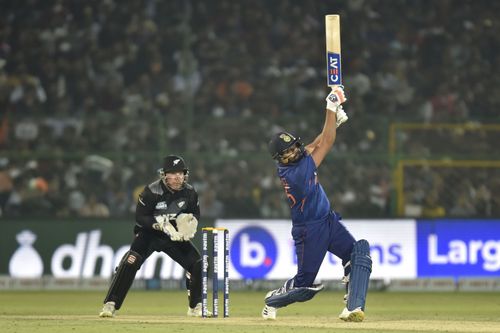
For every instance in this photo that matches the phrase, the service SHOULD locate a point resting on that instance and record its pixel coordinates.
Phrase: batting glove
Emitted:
(335, 98)
(341, 116)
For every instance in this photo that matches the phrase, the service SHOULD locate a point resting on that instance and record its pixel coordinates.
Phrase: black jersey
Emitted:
(157, 199)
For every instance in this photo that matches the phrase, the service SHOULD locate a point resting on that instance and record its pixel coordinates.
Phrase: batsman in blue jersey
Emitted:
(316, 228)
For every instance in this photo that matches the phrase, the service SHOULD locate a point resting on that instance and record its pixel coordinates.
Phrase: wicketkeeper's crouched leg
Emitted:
(123, 278)
(193, 283)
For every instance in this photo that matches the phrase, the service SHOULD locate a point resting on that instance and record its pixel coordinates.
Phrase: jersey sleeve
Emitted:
(195, 205)
(144, 212)
(310, 167)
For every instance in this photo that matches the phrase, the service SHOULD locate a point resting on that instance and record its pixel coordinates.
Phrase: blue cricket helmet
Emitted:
(282, 141)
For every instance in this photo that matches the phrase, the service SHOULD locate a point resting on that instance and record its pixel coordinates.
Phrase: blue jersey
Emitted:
(308, 201)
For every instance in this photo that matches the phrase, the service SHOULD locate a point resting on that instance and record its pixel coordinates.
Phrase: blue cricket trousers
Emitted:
(313, 240)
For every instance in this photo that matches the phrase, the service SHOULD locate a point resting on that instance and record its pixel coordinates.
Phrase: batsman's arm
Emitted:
(310, 147)
(335, 116)
(326, 138)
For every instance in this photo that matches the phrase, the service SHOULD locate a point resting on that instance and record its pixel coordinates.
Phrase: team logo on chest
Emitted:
(181, 204)
(161, 205)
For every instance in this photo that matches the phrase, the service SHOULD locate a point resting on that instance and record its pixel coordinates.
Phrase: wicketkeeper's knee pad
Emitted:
(123, 278)
(193, 273)
(359, 277)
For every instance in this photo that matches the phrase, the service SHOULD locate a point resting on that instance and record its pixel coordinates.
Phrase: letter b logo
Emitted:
(253, 252)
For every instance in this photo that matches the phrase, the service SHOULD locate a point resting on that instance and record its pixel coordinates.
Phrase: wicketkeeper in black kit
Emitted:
(166, 217)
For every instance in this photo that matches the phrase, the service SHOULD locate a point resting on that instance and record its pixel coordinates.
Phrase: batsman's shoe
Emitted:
(269, 312)
(108, 310)
(356, 315)
(289, 294)
(197, 311)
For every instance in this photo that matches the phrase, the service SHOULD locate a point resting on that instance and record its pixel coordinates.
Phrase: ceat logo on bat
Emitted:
(253, 252)
(334, 69)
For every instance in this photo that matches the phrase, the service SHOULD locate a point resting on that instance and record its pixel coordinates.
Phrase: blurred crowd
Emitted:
(93, 93)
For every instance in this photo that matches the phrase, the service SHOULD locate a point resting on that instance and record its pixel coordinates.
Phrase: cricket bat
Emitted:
(333, 58)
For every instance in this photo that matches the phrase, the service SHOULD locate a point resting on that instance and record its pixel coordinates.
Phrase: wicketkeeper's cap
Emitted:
(174, 163)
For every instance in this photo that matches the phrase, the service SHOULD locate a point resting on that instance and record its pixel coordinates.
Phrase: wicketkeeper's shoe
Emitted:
(197, 311)
(356, 315)
(108, 310)
(269, 312)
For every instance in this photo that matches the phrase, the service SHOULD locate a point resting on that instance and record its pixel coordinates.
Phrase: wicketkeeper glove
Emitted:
(163, 224)
(187, 225)
(335, 98)
(341, 116)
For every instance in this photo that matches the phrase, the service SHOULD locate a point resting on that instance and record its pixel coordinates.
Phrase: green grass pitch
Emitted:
(165, 311)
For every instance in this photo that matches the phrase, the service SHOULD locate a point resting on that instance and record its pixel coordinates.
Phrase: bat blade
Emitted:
(333, 53)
